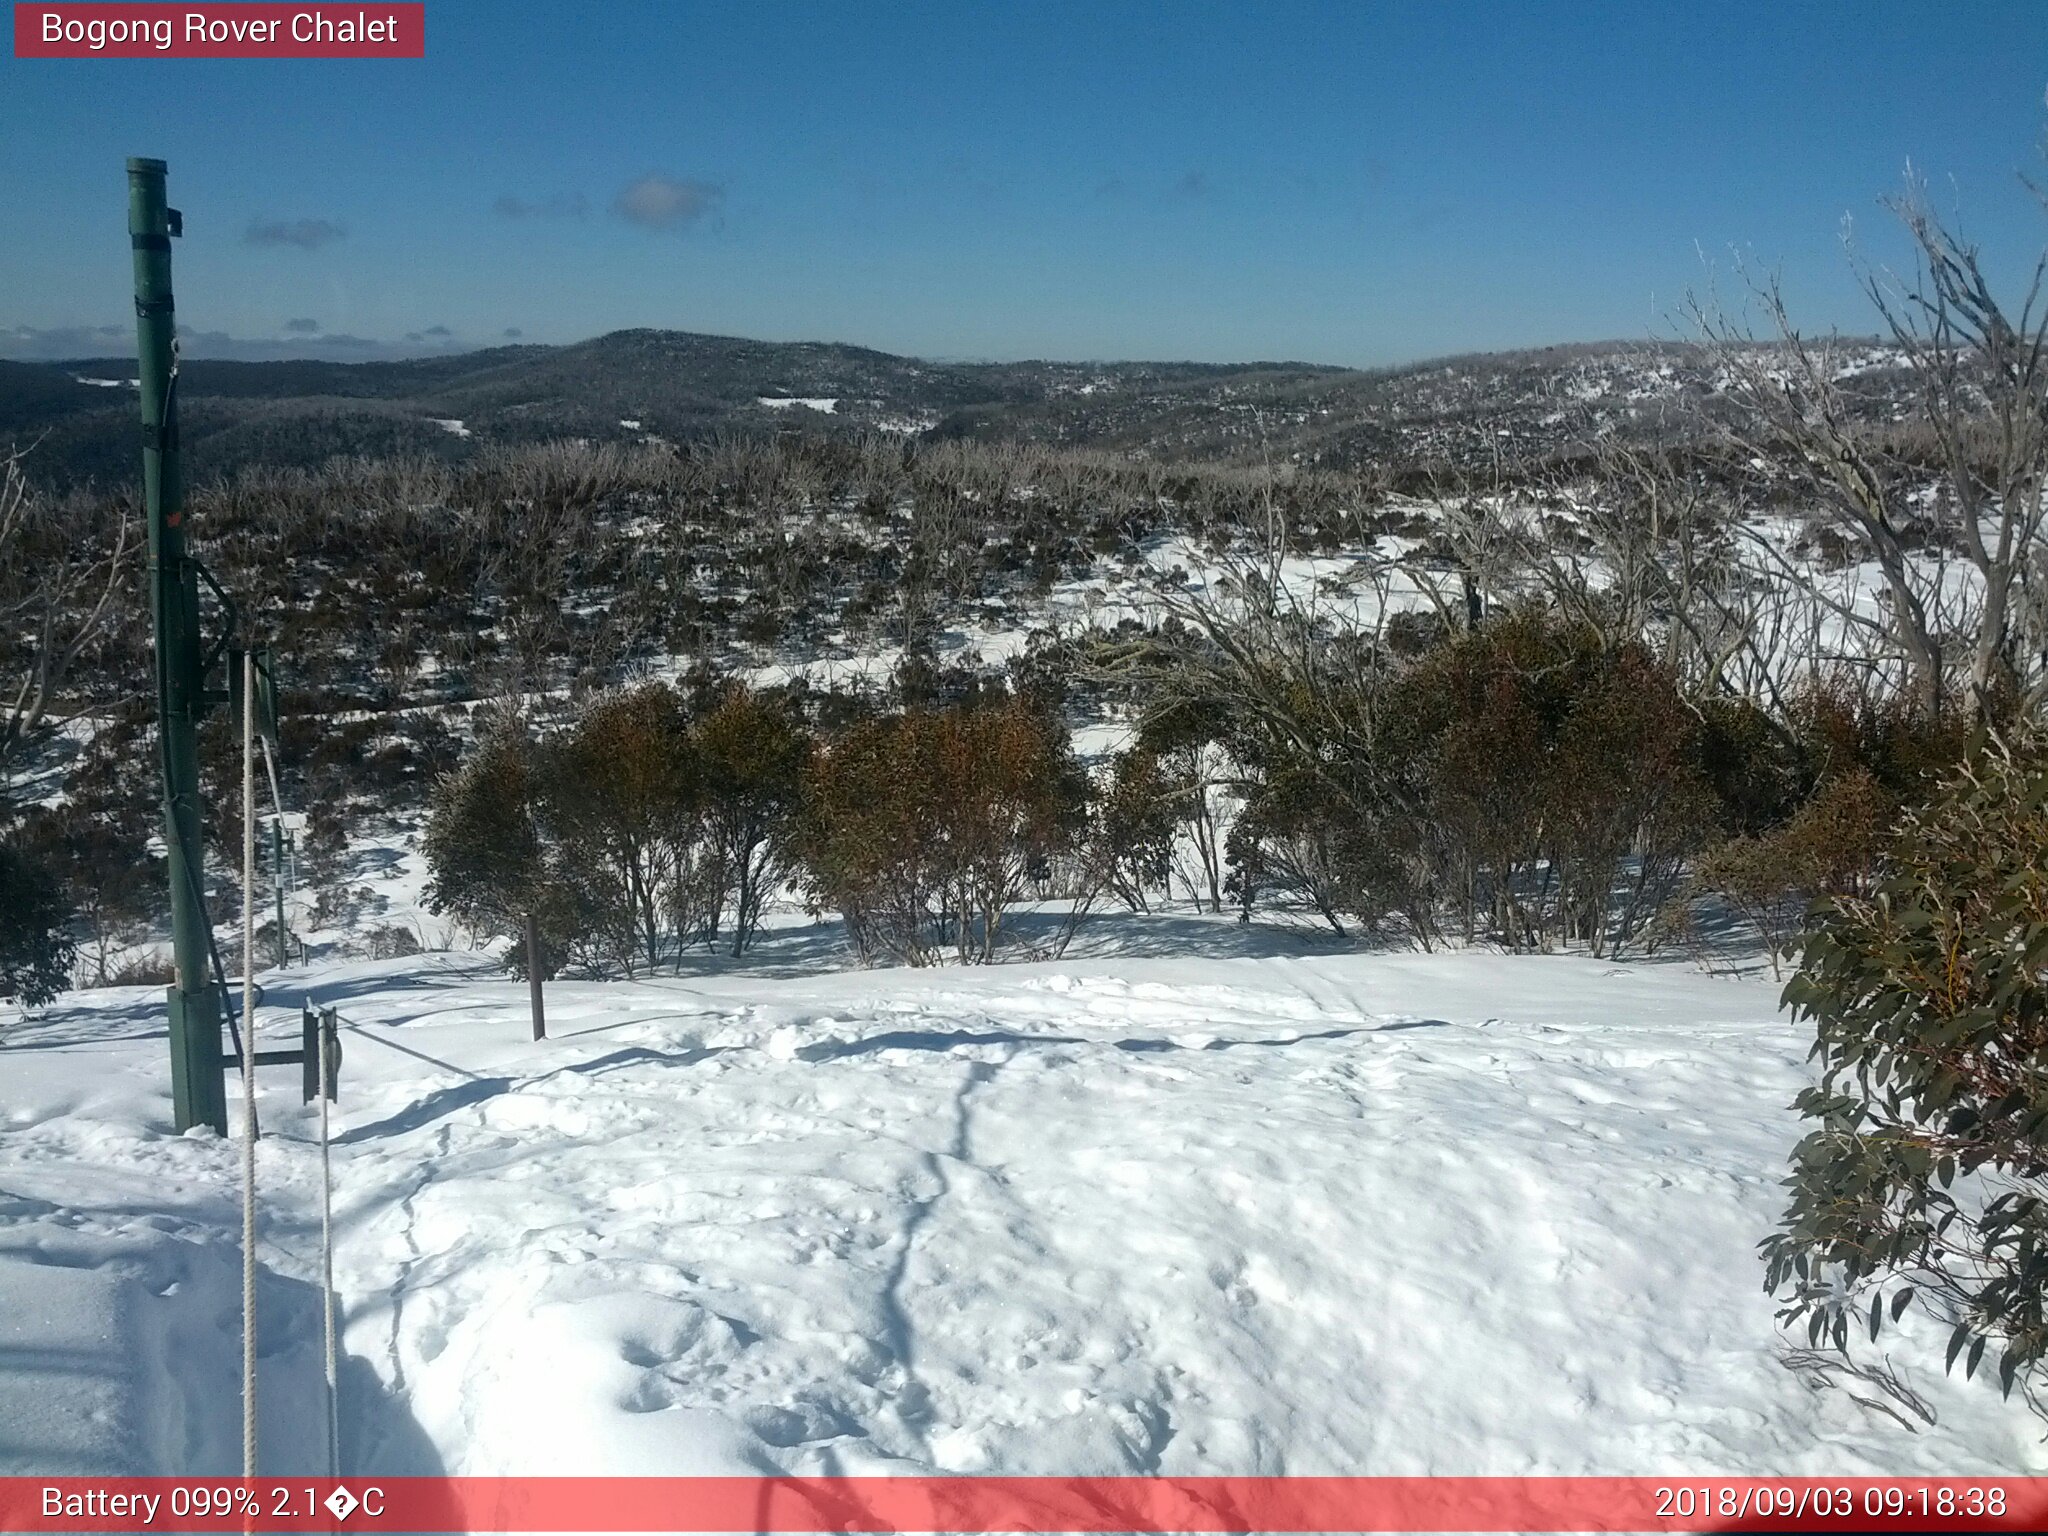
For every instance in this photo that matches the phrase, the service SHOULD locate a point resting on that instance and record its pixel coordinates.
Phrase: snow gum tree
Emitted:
(751, 755)
(1978, 364)
(61, 572)
(1926, 1173)
(1136, 816)
(483, 853)
(617, 797)
(924, 828)
(628, 834)
(1564, 772)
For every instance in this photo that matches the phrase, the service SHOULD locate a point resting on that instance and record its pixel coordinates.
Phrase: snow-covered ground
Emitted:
(1212, 1201)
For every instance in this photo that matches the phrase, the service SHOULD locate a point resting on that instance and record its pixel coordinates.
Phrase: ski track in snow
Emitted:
(1393, 1214)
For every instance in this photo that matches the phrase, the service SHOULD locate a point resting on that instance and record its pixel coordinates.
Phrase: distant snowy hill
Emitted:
(1480, 410)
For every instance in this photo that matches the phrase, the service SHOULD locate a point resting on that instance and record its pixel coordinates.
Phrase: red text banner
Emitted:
(220, 31)
(1081, 1504)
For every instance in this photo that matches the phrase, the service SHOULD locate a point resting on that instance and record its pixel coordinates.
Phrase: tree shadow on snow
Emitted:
(141, 1016)
(457, 1096)
(954, 1039)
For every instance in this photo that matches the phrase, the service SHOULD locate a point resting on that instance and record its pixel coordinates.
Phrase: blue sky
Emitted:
(1353, 183)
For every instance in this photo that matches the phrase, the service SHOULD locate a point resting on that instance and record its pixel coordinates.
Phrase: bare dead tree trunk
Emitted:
(1982, 374)
(1792, 413)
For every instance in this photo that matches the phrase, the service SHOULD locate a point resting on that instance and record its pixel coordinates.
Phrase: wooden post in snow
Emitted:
(540, 1018)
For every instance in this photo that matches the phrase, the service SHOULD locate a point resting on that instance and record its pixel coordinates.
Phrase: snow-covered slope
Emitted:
(1277, 1212)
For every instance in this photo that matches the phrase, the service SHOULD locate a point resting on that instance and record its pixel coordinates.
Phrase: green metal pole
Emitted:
(198, 1088)
(277, 884)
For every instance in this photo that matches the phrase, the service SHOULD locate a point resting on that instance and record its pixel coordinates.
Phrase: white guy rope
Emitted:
(327, 1264)
(332, 1344)
(248, 1064)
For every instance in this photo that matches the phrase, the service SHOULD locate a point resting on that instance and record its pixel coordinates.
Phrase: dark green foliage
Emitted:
(1136, 814)
(751, 754)
(1524, 781)
(924, 828)
(616, 798)
(1564, 772)
(628, 835)
(1926, 1174)
(1757, 770)
(1293, 837)
(1810, 799)
(35, 945)
(481, 848)
(1189, 738)
(97, 844)
(1830, 843)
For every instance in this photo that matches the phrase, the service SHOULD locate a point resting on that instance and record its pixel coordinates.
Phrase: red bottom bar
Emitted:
(1080, 1504)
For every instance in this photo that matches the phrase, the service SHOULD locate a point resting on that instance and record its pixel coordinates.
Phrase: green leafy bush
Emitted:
(1829, 844)
(751, 754)
(1562, 771)
(35, 948)
(1926, 1175)
(1136, 813)
(630, 834)
(924, 828)
(482, 851)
